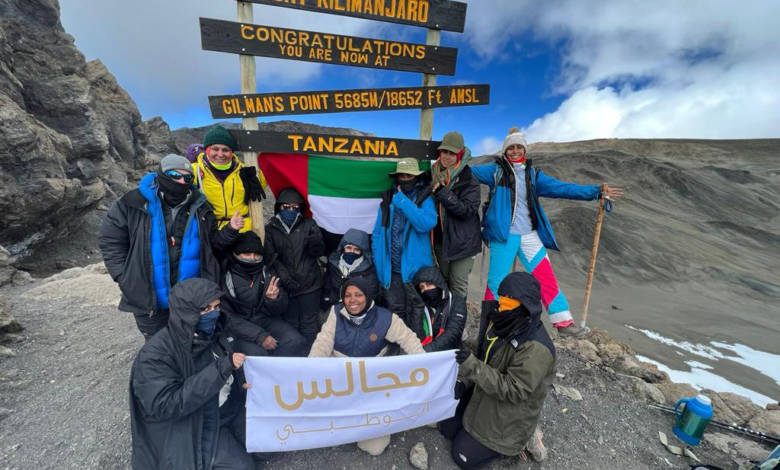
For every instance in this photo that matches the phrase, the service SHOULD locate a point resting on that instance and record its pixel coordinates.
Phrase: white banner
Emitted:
(304, 403)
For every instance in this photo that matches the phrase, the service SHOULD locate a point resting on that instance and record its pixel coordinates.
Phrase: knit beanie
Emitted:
(219, 135)
(514, 138)
(248, 242)
(175, 162)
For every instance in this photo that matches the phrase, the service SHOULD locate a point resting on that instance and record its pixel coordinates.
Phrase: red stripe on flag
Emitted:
(284, 170)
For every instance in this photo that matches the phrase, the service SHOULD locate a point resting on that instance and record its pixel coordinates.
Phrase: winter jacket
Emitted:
(442, 327)
(458, 228)
(136, 257)
(245, 305)
(498, 213)
(175, 384)
(351, 337)
(296, 252)
(510, 377)
(420, 217)
(334, 277)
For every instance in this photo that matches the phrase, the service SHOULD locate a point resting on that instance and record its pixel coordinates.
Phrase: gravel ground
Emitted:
(63, 399)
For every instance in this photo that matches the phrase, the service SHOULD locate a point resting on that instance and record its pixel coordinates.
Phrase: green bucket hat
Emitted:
(452, 141)
(219, 135)
(408, 166)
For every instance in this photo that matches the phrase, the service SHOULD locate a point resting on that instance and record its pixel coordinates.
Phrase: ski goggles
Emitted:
(175, 174)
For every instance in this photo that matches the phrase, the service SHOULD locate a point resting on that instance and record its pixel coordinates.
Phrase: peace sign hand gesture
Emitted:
(272, 292)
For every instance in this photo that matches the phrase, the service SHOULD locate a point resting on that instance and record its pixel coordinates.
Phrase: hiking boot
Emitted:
(535, 447)
(573, 330)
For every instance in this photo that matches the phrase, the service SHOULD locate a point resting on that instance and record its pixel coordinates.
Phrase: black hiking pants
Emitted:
(467, 452)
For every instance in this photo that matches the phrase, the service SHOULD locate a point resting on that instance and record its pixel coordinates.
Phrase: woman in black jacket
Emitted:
(351, 259)
(297, 242)
(444, 316)
(255, 302)
(457, 236)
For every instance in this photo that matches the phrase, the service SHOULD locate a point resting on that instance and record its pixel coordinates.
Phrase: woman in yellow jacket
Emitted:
(224, 180)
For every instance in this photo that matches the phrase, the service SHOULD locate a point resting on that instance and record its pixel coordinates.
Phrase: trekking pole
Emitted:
(775, 440)
(593, 253)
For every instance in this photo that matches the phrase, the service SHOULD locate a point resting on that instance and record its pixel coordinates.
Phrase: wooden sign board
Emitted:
(338, 145)
(432, 14)
(340, 101)
(311, 46)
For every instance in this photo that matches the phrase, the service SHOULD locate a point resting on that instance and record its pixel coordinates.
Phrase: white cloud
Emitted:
(700, 68)
(487, 146)
(154, 48)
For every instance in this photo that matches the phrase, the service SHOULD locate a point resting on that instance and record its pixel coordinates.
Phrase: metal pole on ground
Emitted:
(593, 252)
(433, 38)
(249, 85)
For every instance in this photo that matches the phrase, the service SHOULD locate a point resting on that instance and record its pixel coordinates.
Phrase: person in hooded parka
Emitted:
(186, 400)
(351, 259)
(502, 388)
(442, 320)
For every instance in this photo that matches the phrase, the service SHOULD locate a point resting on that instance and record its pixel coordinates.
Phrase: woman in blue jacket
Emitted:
(514, 223)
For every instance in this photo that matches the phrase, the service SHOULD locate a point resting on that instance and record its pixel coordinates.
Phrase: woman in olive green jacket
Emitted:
(505, 384)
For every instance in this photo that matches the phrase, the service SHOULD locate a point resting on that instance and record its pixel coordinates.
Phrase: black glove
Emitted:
(253, 190)
(462, 354)
(460, 387)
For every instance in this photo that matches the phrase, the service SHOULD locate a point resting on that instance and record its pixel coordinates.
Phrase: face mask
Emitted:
(288, 216)
(507, 322)
(207, 322)
(408, 185)
(350, 258)
(432, 297)
(175, 193)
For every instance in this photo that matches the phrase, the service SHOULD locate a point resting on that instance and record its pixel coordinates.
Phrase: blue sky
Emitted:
(560, 69)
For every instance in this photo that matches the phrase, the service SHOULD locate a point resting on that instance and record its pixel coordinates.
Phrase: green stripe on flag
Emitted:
(350, 178)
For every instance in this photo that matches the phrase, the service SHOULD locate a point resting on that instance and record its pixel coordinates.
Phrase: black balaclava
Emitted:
(523, 320)
(362, 284)
(248, 242)
(408, 185)
(433, 297)
(174, 192)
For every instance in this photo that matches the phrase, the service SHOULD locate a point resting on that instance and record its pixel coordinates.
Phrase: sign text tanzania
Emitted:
(336, 101)
(311, 46)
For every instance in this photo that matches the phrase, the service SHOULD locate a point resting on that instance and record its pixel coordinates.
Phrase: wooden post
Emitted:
(433, 38)
(249, 85)
(594, 251)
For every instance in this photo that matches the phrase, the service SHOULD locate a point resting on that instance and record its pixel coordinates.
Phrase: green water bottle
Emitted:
(692, 421)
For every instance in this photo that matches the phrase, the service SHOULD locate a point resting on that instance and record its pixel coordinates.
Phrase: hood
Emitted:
(290, 195)
(362, 284)
(525, 288)
(355, 237)
(186, 300)
(430, 274)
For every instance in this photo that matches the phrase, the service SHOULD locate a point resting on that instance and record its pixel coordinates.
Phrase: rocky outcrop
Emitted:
(69, 134)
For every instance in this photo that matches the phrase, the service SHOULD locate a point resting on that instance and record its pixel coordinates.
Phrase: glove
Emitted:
(462, 354)
(253, 190)
(460, 387)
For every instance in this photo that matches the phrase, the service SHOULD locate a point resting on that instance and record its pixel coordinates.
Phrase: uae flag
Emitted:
(343, 192)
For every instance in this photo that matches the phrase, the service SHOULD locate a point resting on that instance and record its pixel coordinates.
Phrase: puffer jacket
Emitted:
(360, 336)
(296, 251)
(126, 244)
(420, 217)
(510, 378)
(175, 384)
(334, 277)
(226, 196)
(498, 212)
(442, 327)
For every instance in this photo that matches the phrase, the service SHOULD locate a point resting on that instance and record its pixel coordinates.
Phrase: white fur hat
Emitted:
(514, 138)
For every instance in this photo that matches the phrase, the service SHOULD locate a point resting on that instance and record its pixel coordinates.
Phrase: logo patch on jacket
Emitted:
(373, 337)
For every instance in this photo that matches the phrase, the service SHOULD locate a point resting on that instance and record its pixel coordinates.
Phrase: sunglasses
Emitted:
(174, 174)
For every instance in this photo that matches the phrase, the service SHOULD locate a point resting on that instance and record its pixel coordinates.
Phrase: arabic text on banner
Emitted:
(298, 403)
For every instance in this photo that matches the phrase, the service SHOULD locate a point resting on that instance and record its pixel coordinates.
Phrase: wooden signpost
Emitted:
(433, 14)
(312, 46)
(339, 145)
(340, 101)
